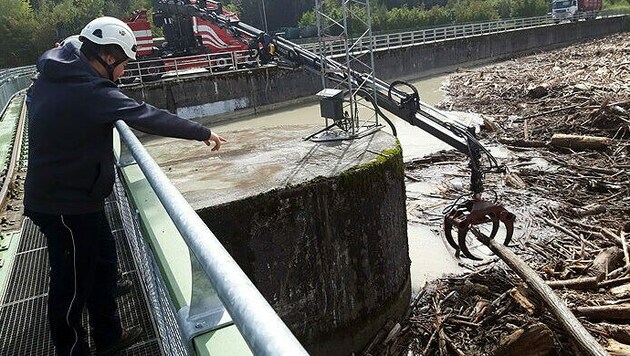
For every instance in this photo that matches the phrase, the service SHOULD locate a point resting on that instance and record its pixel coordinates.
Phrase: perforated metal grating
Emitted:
(163, 309)
(24, 326)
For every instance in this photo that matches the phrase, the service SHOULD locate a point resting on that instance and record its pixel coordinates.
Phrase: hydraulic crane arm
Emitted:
(404, 104)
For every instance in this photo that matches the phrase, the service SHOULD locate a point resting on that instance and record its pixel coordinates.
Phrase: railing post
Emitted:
(176, 69)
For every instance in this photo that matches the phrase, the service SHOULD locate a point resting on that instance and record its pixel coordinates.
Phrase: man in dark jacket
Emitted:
(72, 107)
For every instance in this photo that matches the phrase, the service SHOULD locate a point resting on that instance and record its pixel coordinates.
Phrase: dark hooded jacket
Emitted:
(72, 111)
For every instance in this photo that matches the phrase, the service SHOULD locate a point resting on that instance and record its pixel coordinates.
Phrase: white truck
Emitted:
(574, 9)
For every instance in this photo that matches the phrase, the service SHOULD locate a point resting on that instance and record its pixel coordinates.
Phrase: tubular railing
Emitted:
(12, 81)
(154, 69)
(413, 38)
(261, 327)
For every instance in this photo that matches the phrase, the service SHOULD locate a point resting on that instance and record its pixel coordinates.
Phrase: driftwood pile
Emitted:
(565, 118)
(581, 90)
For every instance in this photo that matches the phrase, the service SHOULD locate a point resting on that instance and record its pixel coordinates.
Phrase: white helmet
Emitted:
(109, 30)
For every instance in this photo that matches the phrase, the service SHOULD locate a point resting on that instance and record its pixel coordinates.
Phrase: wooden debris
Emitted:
(522, 143)
(381, 336)
(620, 333)
(575, 142)
(575, 283)
(481, 310)
(617, 348)
(604, 260)
(514, 181)
(605, 312)
(523, 297)
(538, 91)
(614, 282)
(620, 291)
(624, 246)
(556, 306)
(569, 208)
(533, 340)
(589, 211)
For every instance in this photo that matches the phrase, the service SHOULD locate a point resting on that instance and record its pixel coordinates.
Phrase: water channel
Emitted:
(429, 256)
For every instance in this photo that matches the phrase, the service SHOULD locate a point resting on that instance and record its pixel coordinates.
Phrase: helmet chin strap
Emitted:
(108, 67)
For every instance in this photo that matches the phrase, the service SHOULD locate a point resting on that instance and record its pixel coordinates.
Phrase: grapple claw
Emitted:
(461, 237)
(448, 226)
(475, 212)
(508, 220)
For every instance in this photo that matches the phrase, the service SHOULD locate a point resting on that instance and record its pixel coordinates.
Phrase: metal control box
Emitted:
(331, 103)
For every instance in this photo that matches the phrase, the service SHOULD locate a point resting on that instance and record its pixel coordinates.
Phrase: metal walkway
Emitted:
(23, 322)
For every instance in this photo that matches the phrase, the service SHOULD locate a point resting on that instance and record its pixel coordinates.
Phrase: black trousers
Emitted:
(83, 273)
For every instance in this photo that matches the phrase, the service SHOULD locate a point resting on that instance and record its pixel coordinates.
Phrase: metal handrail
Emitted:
(261, 327)
(12, 81)
(153, 69)
(16, 71)
(418, 37)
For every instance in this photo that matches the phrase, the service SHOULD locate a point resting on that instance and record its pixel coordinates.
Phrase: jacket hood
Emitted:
(64, 62)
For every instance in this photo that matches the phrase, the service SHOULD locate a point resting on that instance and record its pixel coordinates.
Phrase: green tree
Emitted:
(122, 8)
(404, 18)
(474, 10)
(504, 8)
(438, 16)
(530, 8)
(16, 22)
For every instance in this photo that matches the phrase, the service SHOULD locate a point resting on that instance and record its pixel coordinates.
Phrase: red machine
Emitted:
(189, 41)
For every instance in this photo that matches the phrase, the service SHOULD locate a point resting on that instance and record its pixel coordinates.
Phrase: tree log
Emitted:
(604, 260)
(575, 142)
(618, 349)
(605, 312)
(621, 291)
(581, 283)
(595, 210)
(620, 333)
(534, 340)
(614, 282)
(522, 143)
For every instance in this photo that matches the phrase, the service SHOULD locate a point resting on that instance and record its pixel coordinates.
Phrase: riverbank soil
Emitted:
(570, 195)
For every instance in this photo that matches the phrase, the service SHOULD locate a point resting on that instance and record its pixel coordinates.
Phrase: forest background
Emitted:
(29, 27)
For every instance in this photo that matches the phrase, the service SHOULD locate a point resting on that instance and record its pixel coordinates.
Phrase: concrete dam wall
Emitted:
(212, 96)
